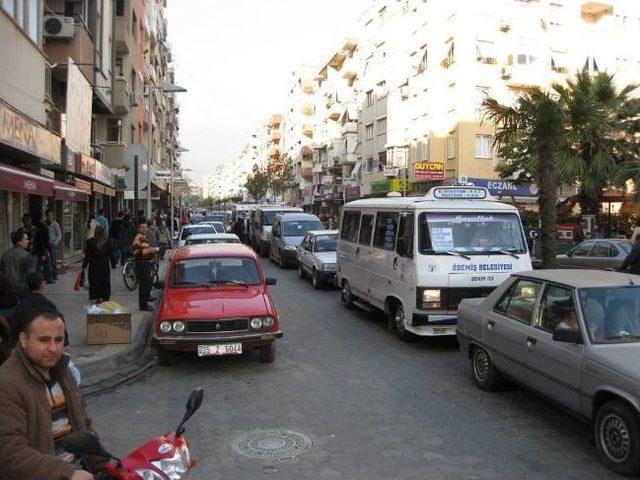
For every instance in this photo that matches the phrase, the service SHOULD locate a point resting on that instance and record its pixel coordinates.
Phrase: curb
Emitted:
(133, 361)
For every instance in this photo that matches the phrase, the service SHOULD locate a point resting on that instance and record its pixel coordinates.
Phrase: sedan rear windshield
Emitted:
(470, 233)
(200, 241)
(299, 228)
(197, 230)
(612, 314)
(326, 243)
(215, 271)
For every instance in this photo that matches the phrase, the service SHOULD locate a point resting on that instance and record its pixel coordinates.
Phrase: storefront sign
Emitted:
(496, 187)
(394, 184)
(391, 171)
(19, 132)
(16, 180)
(429, 170)
(103, 173)
(64, 191)
(82, 185)
(86, 165)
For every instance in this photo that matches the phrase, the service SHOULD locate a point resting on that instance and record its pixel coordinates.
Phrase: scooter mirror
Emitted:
(84, 443)
(193, 404)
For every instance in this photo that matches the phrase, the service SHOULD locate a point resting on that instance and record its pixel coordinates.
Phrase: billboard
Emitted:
(78, 114)
(429, 170)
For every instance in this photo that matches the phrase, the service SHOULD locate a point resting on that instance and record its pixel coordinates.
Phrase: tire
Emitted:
(315, 281)
(280, 262)
(268, 353)
(263, 251)
(617, 433)
(301, 273)
(165, 357)
(484, 373)
(346, 296)
(129, 275)
(396, 320)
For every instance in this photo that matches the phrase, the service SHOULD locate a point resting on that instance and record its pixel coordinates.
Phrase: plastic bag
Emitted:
(79, 284)
(106, 307)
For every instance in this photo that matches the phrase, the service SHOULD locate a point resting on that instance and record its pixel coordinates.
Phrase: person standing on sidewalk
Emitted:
(144, 254)
(40, 249)
(39, 404)
(97, 257)
(164, 239)
(16, 263)
(55, 235)
(28, 228)
(103, 221)
(114, 234)
(91, 226)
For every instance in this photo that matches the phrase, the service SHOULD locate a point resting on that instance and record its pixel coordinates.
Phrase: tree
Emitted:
(257, 183)
(528, 134)
(281, 174)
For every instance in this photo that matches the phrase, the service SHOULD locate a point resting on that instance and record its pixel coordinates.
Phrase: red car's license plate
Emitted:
(224, 349)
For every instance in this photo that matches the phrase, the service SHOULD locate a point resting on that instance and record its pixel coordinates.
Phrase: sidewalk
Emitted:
(103, 366)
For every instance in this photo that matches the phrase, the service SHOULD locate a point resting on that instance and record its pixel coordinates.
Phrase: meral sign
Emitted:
(18, 132)
(429, 170)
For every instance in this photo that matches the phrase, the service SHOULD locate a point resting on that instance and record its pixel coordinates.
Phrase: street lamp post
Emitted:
(172, 154)
(167, 88)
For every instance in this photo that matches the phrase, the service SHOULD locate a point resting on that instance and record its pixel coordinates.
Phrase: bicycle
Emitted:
(129, 272)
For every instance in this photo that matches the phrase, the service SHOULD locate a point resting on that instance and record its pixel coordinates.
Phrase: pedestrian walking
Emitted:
(103, 221)
(91, 226)
(238, 229)
(632, 262)
(164, 238)
(40, 249)
(28, 228)
(97, 258)
(55, 235)
(125, 238)
(114, 234)
(16, 263)
(152, 232)
(144, 254)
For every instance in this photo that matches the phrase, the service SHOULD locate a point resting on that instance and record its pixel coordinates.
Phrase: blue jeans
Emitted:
(53, 260)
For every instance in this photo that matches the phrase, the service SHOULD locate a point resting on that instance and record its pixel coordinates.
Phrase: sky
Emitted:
(235, 58)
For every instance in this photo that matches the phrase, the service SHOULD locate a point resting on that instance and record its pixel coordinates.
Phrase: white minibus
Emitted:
(416, 258)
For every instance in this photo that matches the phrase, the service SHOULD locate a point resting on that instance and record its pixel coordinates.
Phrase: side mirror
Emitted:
(270, 281)
(566, 335)
(193, 404)
(570, 253)
(84, 443)
(159, 285)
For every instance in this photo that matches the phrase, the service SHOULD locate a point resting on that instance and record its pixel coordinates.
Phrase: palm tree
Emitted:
(529, 133)
(597, 143)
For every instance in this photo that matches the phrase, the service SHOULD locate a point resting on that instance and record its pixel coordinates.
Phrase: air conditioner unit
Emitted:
(57, 26)
(404, 91)
(505, 73)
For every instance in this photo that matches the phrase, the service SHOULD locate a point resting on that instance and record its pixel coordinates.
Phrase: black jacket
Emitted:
(632, 262)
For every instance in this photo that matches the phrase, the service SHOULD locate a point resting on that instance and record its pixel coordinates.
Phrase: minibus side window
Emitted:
(386, 230)
(366, 227)
(350, 223)
(405, 236)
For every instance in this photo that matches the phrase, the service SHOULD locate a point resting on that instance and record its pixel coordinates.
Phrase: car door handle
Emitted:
(395, 263)
(531, 342)
(490, 324)
(357, 252)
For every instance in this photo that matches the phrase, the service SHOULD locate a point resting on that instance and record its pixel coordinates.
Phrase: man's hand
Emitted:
(81, 475)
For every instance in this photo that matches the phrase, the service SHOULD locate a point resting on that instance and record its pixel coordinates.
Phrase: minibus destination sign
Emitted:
(460, 193)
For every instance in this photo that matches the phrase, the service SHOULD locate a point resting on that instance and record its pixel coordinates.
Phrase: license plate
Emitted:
(224, 349)
(441, 331)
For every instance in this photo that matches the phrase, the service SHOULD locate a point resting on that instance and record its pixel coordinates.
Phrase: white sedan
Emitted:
(208, 238)
(317, 257)
(188, 230)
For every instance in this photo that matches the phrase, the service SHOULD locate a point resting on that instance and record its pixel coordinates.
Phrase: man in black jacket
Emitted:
(632, 262)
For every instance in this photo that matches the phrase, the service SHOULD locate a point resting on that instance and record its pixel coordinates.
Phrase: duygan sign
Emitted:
(18, 132)
(429, 171)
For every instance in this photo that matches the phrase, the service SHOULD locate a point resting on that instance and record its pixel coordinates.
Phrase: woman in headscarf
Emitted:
(97, 258)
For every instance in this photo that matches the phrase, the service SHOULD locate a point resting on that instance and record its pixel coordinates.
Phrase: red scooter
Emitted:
(166, 457)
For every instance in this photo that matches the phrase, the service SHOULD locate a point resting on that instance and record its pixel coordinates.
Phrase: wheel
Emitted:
(165, 357)
(268, 353)
(263, 251)
(301, 273)
(395, 320)
(129, 275)
(315, 281)
(617, 433)
(280, 261)
(346, 295)
(485, 375)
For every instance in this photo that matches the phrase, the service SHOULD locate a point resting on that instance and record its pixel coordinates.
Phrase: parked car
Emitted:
(562, 247)
(317, 257)
(219, 226)
(287, 233)
(572, 336)
(192, 229)
(261, 222)
(211, 238)
(601, 254)
(215, 301)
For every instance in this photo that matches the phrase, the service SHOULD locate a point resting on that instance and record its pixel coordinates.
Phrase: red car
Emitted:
(215, 302)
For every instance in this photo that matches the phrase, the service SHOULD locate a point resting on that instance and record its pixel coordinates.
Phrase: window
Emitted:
(483, 146)
(382, 126)
(386, 230)
(382, 89)
(350, 223)
(602, 249)
(133, 81)
(485, 51)
(451, 146)
(120, 8)
(119, 70)
(368, 131)
(369, 100)
(583, 249)
(114, 130)
(26, 13)
(33, 20)
(366, 228)
(557, 308)
(405, 235)
(134, 25)
(9, 7)
(370, 164)
(299, 228)
(519, 301)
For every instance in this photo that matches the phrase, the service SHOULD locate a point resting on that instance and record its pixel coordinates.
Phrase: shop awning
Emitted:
(64, 191)
(21, 181)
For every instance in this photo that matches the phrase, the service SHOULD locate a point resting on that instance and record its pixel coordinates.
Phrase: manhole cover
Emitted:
(272, 444)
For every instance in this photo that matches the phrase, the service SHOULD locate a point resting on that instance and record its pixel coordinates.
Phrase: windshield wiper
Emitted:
(457, 254)
(623, 337)
(504, 252)
(229, 282)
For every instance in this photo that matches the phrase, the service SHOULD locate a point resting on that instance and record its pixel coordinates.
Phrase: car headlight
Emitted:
(256, 323)
(429, 298)
(174, 468)
(290, 247)
(147, 474)
(178, 326)
(165, 327)
(267, 322)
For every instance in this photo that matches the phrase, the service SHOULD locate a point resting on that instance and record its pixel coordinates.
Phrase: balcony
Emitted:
(124, 39)
(113, 154)
(80, 48)
(307, 108)
(348, 159)
(351, 69)
(351, 127)
(594, 11)
(121, 99)
(276, 136)
(335, 111)
(520, 77)
(317, 168)
(307, 130)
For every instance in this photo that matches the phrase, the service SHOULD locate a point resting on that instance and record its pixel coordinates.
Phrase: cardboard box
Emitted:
(108, 328)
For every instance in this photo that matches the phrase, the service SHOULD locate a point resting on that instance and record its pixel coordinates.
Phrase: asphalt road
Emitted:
(372, 406)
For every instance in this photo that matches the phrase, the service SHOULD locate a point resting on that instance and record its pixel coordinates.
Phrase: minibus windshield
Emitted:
(470, 233)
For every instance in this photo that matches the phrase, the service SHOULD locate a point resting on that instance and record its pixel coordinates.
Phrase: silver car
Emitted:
(601, 254)
(317, 257)
(572, 336)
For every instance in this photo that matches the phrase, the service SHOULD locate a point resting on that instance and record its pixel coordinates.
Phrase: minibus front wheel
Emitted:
(346, 295)
(395, 320)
